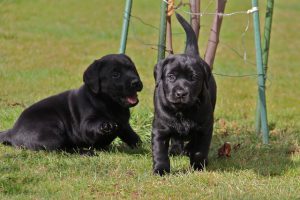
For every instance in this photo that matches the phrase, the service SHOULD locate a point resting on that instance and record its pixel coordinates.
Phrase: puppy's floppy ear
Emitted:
(206, 72)
(206, 76)
(91, 76)
(158, 71)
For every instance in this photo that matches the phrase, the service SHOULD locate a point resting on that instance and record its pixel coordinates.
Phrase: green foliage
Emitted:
(46, 45)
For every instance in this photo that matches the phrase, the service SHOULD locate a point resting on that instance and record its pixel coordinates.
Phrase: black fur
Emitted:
(91, 116)
(184, 101)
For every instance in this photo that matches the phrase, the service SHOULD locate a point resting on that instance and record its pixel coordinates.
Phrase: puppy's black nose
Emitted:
(136, 84)
(181, 93)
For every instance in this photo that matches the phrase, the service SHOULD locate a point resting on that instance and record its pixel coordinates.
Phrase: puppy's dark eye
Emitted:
(116, 75)
(171, 77)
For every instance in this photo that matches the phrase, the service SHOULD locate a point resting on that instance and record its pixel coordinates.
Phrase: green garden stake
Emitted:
(261, 73)
(126, 20)
(266, 47)
(162, 31)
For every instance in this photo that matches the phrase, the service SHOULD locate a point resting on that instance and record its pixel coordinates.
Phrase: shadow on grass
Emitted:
(142, 150)
(266, 160)
(249, 154)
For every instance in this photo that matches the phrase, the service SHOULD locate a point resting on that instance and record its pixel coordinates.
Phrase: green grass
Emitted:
(46, 45)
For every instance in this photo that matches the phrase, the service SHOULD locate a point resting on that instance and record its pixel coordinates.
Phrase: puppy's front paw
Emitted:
(161, 171)
(198, 162)
(108, 127)
(135, 141)
(161, 168)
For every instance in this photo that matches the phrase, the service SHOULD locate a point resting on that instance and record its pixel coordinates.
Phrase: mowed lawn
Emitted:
(45, 46)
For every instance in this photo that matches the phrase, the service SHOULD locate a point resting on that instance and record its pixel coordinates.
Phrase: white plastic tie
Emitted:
(252, 10)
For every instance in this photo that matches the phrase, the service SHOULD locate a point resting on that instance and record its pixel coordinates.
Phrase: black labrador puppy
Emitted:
(184, 101)
(91, 116)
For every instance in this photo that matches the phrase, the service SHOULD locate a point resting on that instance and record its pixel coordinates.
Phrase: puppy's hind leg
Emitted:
(176, 147)
(4, 138)
(50, 140)
(42, 137)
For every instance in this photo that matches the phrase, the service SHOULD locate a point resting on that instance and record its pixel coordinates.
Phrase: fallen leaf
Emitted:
(224, 150)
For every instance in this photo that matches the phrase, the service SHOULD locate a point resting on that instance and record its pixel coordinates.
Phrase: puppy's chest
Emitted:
(184, 125)
(118, 116)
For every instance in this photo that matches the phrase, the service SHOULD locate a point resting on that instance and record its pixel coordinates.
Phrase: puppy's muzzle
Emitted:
(181, 94)
(136, 85)
(131, 99)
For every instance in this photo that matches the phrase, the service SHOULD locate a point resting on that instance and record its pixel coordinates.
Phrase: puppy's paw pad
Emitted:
(108, 127)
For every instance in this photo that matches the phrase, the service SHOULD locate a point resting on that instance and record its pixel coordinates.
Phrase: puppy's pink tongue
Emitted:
(132, 99)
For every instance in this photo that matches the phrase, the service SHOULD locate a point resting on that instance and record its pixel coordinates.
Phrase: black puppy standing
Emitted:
(91, 116)
(184, 101)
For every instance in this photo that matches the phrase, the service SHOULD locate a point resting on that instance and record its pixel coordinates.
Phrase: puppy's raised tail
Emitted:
(191, 47)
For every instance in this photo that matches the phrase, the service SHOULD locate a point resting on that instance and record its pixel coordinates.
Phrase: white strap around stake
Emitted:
(252, 10)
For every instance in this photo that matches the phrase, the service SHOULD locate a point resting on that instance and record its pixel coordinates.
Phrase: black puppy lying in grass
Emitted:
(91, 116)
(184, 101)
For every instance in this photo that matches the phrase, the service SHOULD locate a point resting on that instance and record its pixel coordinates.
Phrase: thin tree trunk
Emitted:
(213, 41)
(169, 26)
(195, 19)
